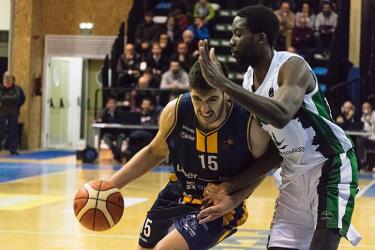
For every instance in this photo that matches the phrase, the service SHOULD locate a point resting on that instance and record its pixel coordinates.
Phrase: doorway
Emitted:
(63, 103)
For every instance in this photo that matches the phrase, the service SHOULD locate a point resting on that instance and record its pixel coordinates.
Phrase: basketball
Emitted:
(98, 205)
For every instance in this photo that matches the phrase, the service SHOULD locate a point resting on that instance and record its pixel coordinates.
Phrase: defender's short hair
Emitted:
(196, 79)
(260, 19)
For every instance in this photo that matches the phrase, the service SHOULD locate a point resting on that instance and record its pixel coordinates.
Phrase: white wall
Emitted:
(4, 14)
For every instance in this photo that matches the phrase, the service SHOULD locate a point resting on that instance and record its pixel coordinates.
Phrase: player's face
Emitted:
(243, 43)
(208, 106)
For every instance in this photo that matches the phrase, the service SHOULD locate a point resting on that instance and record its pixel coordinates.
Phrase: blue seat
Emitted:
(320, 71)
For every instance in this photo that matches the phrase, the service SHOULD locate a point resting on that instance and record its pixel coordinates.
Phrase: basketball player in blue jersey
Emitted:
(204, 133)
(319, 168)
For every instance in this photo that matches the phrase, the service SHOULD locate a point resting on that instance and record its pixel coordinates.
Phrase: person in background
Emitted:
(363, 143)
(204, 10)
(183, 56)
(141, 137)
(347, 120)
(12, 98)
(175, 77)
(325, 25)
(157, 62)
(172, 29)
(176, 80)
(113, 138)
(303, 40)
(308, 14)
(200, 29)
(147, 32)
(191, 42)
(287, 21)
(128, 67)
(166, 45)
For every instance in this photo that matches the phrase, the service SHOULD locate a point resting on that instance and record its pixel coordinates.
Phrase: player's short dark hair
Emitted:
(261, 19)
(196, 79)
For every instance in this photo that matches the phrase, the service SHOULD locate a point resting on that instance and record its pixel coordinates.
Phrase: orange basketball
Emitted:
(98, 205)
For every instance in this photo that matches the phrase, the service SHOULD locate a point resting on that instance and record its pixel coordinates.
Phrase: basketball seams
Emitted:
(96, 204)
(116, 204)
(103, 203)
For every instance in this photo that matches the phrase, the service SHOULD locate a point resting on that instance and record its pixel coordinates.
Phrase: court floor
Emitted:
(37, 192)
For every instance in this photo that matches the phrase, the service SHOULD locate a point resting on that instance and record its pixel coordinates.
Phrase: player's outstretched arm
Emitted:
(151, 155)
(295, 80)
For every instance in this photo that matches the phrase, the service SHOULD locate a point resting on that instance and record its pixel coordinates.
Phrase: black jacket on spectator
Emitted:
(11, 99)
(108, 117)
(147, 33)
(126, 72)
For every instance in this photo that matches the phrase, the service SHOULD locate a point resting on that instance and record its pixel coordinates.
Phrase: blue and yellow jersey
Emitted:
(198, 157)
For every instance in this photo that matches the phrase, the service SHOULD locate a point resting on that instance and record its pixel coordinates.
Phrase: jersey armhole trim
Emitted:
(248, 132)
(175, 118)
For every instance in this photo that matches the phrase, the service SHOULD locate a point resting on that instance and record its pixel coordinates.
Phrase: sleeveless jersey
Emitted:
(311, 136)
(198, 157)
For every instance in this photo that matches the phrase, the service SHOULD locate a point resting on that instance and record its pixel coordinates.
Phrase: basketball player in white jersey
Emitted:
(319, 169)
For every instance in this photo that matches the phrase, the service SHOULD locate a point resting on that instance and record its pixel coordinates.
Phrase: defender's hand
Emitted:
(210, 66)
(218, 207)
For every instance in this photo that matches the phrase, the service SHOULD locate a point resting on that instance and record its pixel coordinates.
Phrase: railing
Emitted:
(123, 91)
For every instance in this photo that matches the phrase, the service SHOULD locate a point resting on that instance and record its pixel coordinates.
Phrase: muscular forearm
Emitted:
(140, 164)
(255, 172)
(264, 108)
(244, 193)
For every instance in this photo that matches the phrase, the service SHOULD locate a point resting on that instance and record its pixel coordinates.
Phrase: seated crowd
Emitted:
(350, 120)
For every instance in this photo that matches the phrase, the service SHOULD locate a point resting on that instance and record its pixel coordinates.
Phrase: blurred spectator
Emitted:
(166, 45)
(157, 62)
(142, 91)
(172, 29)
(309, 15)
(175, 77)
(183, 56)
(147, 32)
(140, 138)
(191, 43)
(181, 19)
(128, 68)
(303, 39)
(200, 29)
(112, 137)
(363, 143)
(348, 119)
(12, 98)
(287, 21)
(325, 25)
(204, 10)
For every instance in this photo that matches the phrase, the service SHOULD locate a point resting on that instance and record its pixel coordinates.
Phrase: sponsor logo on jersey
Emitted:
(271, 92)
(228, 143)
(326, 215)
(292, 151)
(187, 133)
(278, 143)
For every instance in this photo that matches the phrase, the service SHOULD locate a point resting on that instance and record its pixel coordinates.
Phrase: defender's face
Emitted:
(243, 43)
(208, 105)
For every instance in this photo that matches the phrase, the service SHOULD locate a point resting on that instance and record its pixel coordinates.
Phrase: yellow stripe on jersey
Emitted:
(206, 143)
(212, 143)
(225, 235)
(200, 141)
